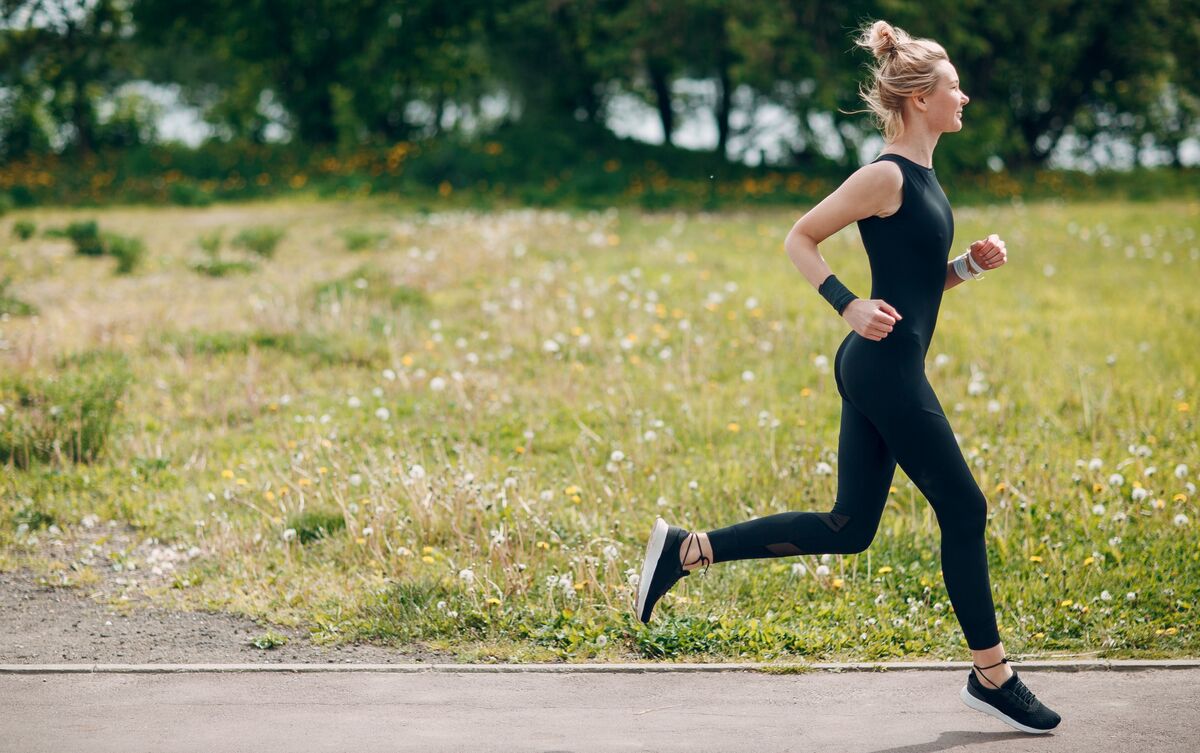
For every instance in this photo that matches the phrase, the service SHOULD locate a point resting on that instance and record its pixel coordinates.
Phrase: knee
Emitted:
(851, 539)
(970, 517)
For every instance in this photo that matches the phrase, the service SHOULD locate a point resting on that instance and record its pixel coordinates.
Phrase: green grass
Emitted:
(510, 354)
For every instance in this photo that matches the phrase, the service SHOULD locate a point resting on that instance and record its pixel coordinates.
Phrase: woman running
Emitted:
(890, 413)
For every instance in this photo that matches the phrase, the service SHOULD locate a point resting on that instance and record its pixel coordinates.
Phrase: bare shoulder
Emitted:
(871, 190)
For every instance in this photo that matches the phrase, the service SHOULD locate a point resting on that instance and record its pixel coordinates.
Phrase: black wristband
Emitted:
(836, 293)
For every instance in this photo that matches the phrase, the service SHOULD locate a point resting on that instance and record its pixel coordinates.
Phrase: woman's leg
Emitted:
(925, 447)
(865, 471)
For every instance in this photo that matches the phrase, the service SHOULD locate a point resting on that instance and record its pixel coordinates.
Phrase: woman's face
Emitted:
(945, 103)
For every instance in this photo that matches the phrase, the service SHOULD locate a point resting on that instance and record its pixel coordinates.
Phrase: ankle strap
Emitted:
(695, 537)
(997, 664)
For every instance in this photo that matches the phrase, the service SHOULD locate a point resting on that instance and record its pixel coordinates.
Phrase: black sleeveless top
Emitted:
(908, 252)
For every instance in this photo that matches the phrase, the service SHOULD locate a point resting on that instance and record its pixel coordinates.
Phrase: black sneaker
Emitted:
(661, 568)
(1011, 702)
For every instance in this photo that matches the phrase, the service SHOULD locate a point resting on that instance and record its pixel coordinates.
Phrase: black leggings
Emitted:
(890, 414)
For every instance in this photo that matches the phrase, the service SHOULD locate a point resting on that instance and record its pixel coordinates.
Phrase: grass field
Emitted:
(458, 427)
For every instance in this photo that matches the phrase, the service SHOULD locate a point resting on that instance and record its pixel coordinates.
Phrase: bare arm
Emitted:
(865, 193)
(952, 277)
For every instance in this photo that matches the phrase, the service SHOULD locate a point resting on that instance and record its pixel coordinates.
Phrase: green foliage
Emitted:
(128, 251)
(213, 265)
(24, 229)
(315, 524)
(269, 640)
(261, 240)
(85, 234)
(67, 414)
(188, 194)
(12, 305)
(358, 240)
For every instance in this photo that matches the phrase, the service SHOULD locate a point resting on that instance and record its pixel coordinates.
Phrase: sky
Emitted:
(773, 127)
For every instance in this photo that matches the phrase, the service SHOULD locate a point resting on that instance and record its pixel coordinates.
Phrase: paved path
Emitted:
(480, 709)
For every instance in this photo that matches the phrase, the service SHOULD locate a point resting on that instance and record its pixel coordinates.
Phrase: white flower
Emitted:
(289, 534)
(823, 469)
(879, 600)
(1114, 540)
(441, 605)
(416, 472)
(938, 606)
(826, 558)
(382, 414)
(354, 402)
(1150, 470)
(437, 384)
(1131, 596)
(747, 376)
(550, 346)
(355, 479)
(610, 552)
(1138, 493)
(821, 362)
(993, 406)
(1181, 519)
(662, 502)
(368, 531)
(1181, 470)
(467, 575)
(1119, 516)
(649, 436)
(1105, 596)
(389, 375)
(616, 456)
(1097, 509)
(1116, 480)
(799, 569)
(510, 482)
(941, 359)
(1094, 464)
(822, 571)
(601, 640)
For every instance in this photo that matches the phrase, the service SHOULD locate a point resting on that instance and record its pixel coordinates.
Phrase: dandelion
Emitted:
(1181, 471)
(838, 582)
(822, 571)
(416, 472)
(1097, 509)
(693, 485)
(747, 376)
(437, 384)
(823, 469)
(649, 436)
(821, 362)
(1138, 493)
(884, 570)
(493, 601)
(467, 575)
(1131, 596)
(382, 414)
(799, 569)
(354, 402)
(1181, 519)
(226, 473)
(616, 456)
(1116, 480)
(1105, 596)
(1095, 464)
(289, 534)
(1035, 558)
(550, 346)
(1067, 602)
(355, 479)
(732, 426)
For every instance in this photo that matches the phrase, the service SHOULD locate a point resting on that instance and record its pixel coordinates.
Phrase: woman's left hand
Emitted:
(990, 252)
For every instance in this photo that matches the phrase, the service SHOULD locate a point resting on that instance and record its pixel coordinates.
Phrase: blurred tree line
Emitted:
(370, 72)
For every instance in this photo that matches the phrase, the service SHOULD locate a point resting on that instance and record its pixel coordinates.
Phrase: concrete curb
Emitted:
(1119, 665)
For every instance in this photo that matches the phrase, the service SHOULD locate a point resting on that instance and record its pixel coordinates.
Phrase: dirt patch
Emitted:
(45, 621)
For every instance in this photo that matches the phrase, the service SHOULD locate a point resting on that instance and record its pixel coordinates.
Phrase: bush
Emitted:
(86, 237)
(128, 251)
(24, 229)
(64, 415)
(261, 240)
(188, 195)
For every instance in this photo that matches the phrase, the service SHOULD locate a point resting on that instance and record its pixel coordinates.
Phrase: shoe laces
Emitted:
(1018, 689)
(695, 538)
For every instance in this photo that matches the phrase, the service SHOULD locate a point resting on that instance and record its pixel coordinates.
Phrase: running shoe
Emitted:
(661, 568)
(1012, 703)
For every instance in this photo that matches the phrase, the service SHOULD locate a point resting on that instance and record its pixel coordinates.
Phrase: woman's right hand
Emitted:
(873, 318)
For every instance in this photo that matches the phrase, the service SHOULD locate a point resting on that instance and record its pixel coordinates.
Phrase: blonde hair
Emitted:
(907, 66)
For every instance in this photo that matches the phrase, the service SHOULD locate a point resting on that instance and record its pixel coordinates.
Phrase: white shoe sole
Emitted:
(987, 708)
(658, 539)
